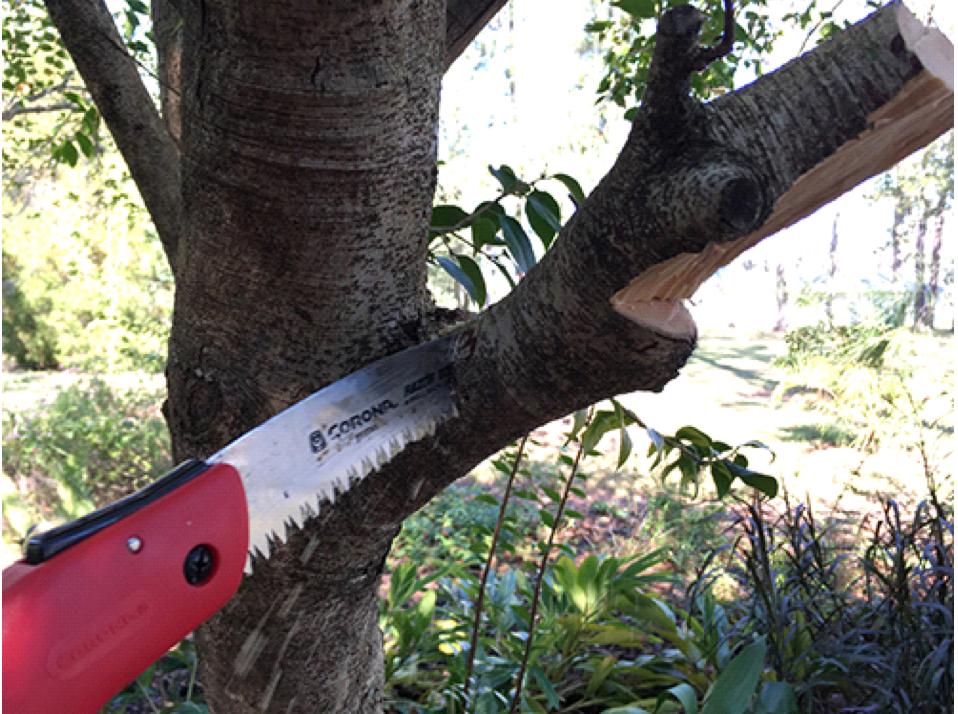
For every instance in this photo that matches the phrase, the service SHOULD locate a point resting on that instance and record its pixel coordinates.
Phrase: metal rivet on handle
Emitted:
(134, 544)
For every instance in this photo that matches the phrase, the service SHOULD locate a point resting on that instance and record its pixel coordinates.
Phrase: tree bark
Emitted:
(168, 39)
(308, 156)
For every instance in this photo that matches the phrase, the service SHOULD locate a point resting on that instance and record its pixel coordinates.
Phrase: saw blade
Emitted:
(320, 447)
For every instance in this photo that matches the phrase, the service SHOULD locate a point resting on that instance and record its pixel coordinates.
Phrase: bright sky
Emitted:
(552, 125)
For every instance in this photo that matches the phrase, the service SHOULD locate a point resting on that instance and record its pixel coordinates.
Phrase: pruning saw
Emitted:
(94, 602)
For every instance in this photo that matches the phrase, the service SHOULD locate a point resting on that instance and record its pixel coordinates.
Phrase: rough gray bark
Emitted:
(308, 166)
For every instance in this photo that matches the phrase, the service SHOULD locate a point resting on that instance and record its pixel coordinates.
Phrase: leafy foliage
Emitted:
(89, 447)
(868, 630)
(85, 281)
(168, 686)
(628, 36)
(559, 638)
(49, 117)
(494, 236)
(875, 381)
(597, 618)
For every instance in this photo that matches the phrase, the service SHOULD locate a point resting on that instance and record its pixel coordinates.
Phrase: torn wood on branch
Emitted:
(921, 111)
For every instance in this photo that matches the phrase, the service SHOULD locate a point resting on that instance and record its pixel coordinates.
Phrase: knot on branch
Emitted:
(708, 195)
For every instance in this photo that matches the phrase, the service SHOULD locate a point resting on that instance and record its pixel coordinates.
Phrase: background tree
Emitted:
(290, 182)
(923, 190)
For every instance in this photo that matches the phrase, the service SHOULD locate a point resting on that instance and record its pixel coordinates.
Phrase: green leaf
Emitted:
(732, 692)
(75, 98)
(86, 146)
(625, 441)
(575, 190)
(698, 438)
(547, 518)
(602, 422)
(625, 447)
(552, 697)
(686, 696)
(476, 291)
(641, 9)
(765, 484)
(484, 229)
(91, 121)
(67, 153)
(471, 268)
(600, 674)
(506, 176)
(579, 420)
(517, 242)
(758, 445)
(722, 478)
(598, 26)
(486, 498)
(544, 216)
(445, 217)
(776, 698)
(552, 493)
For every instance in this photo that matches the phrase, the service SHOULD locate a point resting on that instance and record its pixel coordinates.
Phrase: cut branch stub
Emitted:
(899, 124)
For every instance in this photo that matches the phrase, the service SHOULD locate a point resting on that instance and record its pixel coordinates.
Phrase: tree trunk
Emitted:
(832, 271)
(934, 265)
(781, 299)
(920, 301)
(897, 229)
(308, 163)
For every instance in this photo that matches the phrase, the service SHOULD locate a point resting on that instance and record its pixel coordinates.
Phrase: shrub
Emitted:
(90, 446)
(871, 630)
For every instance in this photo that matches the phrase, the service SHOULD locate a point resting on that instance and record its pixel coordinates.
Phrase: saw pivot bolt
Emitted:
(198, 565)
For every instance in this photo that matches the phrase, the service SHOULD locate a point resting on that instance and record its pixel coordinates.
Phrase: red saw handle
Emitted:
(97, 601)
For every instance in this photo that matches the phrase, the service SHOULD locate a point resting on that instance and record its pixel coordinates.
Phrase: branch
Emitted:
(898, 100)
(112, 78)
(707, 55)
(556, 344)
(464, 20)
(18, 108)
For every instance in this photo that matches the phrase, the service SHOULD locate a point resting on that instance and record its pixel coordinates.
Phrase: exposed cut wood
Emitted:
(668, 317)
(922, 111)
